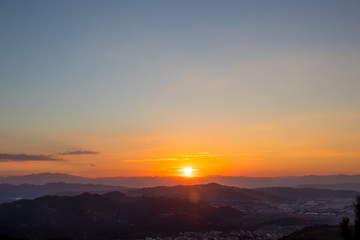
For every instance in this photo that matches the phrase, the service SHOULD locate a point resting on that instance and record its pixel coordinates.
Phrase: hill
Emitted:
(10, 192)
(214, 192)
(111, 216)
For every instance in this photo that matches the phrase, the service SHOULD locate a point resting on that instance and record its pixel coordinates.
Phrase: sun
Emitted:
(188, 171)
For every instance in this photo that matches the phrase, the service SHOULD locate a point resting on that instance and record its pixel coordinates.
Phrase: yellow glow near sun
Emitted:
(188, 171)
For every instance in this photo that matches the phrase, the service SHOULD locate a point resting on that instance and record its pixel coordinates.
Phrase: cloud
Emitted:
(208, 154)
(27, 157)
(202, 154)
(78, 153)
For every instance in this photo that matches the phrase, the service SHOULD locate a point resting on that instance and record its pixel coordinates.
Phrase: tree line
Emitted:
(347, 232)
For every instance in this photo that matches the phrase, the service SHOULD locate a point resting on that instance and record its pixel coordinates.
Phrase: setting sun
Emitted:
(188, 171)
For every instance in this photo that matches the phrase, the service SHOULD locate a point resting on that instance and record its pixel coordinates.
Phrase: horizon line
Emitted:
(182, 177)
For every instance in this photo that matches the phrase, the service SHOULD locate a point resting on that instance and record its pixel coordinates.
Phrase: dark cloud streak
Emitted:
(27, 157)
(78, 153)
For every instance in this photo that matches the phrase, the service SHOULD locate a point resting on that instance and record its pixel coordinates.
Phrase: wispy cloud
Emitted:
(78, 153)
(27, 157)
(152, 160)
(208, 154)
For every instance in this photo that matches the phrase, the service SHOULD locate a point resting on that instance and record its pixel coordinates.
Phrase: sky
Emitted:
(148, 88)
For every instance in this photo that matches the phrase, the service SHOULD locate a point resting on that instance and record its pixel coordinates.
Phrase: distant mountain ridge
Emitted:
(10, 192)
(213, 192)
(43, 178)
(341, 181)
(342, 186)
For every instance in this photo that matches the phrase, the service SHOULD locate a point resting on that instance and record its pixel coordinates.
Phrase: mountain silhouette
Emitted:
(10, 192)
(215, 193)
(111, 216)
(351, 182)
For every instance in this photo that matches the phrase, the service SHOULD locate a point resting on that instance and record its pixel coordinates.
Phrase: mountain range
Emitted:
(215, 193)
(11, 192)
(111, 216)
(70, 213)
(211, 192)
(335, 182)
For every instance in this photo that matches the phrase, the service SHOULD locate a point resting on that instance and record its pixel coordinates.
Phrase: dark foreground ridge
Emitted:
(180, 212)
(111, 216)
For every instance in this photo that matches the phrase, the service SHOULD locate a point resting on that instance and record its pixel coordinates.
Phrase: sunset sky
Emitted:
(147, 88)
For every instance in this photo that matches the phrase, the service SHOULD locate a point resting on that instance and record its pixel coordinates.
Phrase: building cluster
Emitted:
(218, 235)
(332, 210)
(273, 217)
